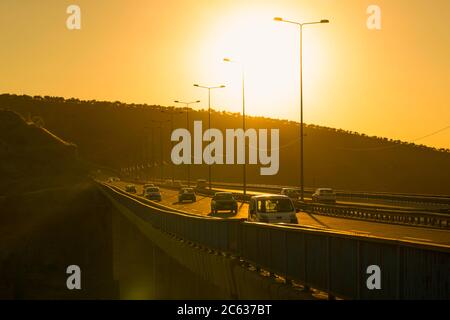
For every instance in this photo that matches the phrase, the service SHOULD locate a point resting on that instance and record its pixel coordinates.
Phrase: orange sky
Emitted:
(392, 83)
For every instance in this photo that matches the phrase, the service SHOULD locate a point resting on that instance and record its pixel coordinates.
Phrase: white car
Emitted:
(272, 209)
(324, 195)
(177, 184)
(153, 193)
(131, 188)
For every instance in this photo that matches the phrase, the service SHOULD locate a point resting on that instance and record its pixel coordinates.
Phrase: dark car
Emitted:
(153, 193)
(146, 186)
(223, 201)
(186, 194)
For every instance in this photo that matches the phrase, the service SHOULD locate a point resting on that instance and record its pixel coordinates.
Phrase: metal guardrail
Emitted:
(392, 216)
(393, 197)
(335, 262)
(424, 219)
(403, 198)
(215, 233)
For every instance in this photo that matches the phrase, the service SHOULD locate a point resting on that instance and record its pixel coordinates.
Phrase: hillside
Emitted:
(120, 135)
(33, 158)
(51, 216)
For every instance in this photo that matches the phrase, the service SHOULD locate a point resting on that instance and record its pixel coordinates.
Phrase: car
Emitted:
(186, 194)
(153, 193)
(167, 183)
(131, 188)
(145, 186)
(324, 195)
(223, 201)
(201, 184)
(292, 193)
(272, 209)
(177, 184)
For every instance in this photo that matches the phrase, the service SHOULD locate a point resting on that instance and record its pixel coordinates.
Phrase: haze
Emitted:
(392, 83)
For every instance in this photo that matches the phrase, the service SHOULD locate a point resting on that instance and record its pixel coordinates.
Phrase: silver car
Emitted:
(324, 195)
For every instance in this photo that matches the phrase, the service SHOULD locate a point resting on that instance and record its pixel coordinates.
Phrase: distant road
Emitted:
(416, 234)
(363, 203)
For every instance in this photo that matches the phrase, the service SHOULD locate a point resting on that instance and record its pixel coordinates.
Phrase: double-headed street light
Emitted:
(243, 120)
(209, 119)
(187, 127)
(301, 93)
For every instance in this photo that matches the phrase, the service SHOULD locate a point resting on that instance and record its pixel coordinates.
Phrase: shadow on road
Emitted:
(183, 202)
(317, 220)
(222, 214)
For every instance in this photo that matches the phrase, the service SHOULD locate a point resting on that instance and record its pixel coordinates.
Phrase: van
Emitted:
(272, 209)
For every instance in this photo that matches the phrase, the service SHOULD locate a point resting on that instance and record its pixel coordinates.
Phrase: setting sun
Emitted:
(153, 52)
(217, 150)
(269, 54)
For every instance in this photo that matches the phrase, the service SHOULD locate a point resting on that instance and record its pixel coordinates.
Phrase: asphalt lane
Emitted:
(362, 203)
(360, 227)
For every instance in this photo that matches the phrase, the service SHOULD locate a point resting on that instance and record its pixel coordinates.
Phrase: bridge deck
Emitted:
(421, 234)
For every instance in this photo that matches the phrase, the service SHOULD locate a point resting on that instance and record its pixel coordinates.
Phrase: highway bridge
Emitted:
(329, 254)
(318, 221)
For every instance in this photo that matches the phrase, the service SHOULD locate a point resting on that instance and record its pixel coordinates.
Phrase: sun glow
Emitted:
(268, 52)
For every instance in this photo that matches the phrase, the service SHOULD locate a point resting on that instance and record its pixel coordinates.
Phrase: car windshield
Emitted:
(326, 191)
(152, 190)
(274, 205)
(223, 196)
(187, 190)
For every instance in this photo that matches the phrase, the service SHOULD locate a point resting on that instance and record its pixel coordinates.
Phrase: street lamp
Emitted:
(187, 127)
(243, 122)
(160, 122)
(146, 152)
(171, 113)
(301, 92)
(209, 119)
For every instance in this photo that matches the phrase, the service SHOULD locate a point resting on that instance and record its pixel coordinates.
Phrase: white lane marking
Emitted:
(313, 226)
(359, 231)
(418, 239)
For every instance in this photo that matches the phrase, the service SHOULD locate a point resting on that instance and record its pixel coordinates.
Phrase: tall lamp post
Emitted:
(301, 25)
(146, 153)
(209, 119)
(172, 113)
(161, 157)
(187, 128)
(244, 177)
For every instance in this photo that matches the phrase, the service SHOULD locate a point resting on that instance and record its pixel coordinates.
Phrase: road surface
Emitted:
(408, 233)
